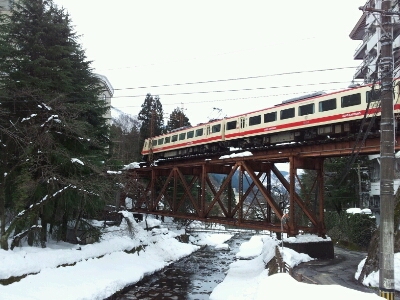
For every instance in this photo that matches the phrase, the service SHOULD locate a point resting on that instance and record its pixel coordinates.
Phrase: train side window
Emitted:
(216, 128)
(306, 109)
(373, 95)
(174, 138)
(160, 141)
(270, 117)
(190, 134)
(167, 139)
(287, 113)
(231, 125)
(154, 143)
(351, 100)
(182, 136)
(327, 105)
(199, 132)
(255, 120)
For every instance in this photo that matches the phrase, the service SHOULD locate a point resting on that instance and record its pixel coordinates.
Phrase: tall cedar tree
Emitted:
(177, 119)
(125, 135)
(151, 117)
(55, 147)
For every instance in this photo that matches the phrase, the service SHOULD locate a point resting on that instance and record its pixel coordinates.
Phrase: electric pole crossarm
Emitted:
(381, 11)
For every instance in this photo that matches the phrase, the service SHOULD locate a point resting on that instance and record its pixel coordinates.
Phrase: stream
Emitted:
(192, 277)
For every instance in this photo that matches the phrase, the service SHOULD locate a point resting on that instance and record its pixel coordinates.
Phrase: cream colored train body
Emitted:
(309, 119)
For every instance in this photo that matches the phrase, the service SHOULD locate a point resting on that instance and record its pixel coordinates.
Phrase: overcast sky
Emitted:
(169, 47)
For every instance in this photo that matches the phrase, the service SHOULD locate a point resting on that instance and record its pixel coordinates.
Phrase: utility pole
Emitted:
(386, 225)
(386, 240)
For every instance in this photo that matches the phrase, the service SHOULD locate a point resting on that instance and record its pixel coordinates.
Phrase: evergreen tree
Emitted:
(126, 137)
(55, 150)
(151, 117)
(177, 119)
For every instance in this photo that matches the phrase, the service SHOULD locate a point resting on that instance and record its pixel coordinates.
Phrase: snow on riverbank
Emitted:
(96, 271)
(248, 278)
(121, 258)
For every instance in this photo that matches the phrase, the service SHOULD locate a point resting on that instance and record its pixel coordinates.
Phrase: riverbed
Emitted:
(193, 277)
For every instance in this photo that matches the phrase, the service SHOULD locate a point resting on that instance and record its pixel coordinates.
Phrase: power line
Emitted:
(235, 90)
(229, 99)
(234, 79)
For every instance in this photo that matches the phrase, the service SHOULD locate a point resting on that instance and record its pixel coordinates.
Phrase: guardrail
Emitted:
(283, 267)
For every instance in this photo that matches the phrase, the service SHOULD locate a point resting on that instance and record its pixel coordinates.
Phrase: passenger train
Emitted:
(313, 118)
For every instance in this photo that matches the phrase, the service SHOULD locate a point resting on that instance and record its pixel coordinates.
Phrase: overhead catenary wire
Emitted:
(234, 79)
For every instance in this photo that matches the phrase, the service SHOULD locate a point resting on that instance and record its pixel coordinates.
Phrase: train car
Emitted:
(307, 119)
(312, 117)
(200, 139)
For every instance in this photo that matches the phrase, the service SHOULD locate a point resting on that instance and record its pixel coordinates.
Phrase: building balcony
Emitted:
(360, 51)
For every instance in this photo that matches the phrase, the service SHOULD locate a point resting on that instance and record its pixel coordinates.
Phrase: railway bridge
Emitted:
(186, 188)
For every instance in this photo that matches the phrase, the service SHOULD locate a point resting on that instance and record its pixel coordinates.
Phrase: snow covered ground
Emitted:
(97, 271)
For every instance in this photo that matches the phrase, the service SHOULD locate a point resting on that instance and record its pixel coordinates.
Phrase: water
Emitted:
(193, 277)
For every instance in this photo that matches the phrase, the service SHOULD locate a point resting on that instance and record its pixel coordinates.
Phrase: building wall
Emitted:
(5, 6)
(368, 32)
(107, 94)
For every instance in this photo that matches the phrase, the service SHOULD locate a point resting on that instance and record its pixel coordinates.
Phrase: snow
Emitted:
(241, 154)
(128, 253)
(373, 278)
(76, 160)
(134, 165)
(356, 210)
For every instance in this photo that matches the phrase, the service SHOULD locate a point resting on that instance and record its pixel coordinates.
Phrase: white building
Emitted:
(5, 6)
(368, 31)
(106, 95)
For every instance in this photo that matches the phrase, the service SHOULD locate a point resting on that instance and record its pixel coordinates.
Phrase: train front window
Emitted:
(327, 105)
(216, 128)
(373, 95)
(160, 141)
(182, 136)
(231, 125)
(351, 100)
(167, 139)
(255, 120)
(287, 113)
(199, 132)
(270, 117)
(174, 138)
(307, 109)
(190, 134)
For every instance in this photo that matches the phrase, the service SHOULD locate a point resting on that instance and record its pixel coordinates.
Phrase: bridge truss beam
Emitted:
(200, 189)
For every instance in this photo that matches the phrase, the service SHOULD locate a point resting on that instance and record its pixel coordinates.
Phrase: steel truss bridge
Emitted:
(187, 188)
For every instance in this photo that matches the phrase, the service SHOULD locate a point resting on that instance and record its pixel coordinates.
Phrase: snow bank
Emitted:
(94, 271)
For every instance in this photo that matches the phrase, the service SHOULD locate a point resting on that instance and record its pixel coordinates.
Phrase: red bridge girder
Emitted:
(187, 188)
